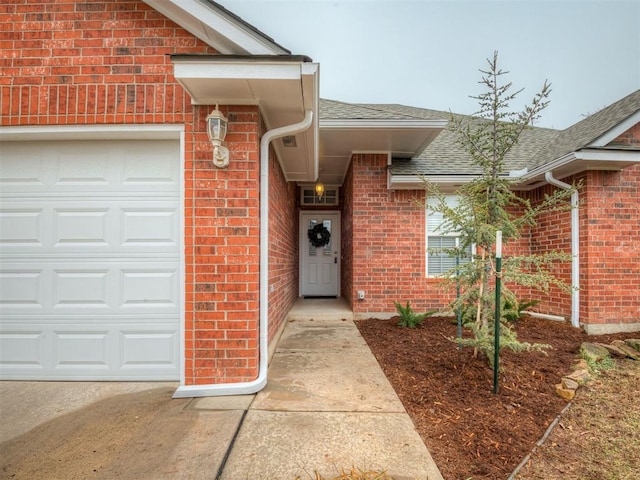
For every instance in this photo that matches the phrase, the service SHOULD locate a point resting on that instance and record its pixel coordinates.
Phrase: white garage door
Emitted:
(90, 260)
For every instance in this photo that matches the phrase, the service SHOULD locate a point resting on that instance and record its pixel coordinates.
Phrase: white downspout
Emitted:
(575, 247)
(245, 388)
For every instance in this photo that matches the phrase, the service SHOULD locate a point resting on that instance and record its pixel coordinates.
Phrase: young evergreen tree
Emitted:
(488, 204)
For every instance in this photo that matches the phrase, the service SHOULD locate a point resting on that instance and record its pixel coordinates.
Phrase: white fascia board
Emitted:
(557, 163)
(608, 137)
(588, 155)
(237, 70)
(608, 155)
(235, 37)
(380, 124)
(417, 182)
(310, 74)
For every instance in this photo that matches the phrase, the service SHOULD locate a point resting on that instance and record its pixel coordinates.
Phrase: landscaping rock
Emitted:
(633, 343)
(569, 383)
(581, 376)
(565, 393)
(581, 364)
(614, 350)
(630, 352)
(593, 352)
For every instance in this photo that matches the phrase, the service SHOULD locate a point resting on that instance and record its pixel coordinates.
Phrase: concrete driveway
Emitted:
(327, 406)
(67, 430)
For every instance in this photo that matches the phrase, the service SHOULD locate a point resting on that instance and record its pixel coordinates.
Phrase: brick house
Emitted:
(128, 255)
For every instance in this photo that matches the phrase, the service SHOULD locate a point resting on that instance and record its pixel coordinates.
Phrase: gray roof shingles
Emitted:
(583, 133)
(334, 110)
(444, 156)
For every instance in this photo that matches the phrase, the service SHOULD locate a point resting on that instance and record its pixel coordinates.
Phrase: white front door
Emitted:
(320, 265)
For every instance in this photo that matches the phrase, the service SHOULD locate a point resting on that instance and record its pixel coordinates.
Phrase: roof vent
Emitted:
(289, 141)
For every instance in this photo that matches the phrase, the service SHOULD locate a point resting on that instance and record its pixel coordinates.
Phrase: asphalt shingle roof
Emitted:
(334, 110)
(445, 157)
(581, 134)
(537, 146)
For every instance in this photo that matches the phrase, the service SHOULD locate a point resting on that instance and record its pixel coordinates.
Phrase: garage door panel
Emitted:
(21, 289)
(83, 167)
(81, 288)
(159, 170)
(22, 349)
(94, 166)
(149, 288)
(22, 167)
(85, 351)
(90, 226)
(80, 227)
(154, 348)
(90, 283)
(80, 349)
(22, 226)
(147, 227)
(68, 287)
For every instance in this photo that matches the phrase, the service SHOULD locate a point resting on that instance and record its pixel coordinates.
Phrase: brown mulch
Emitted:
(470, 431)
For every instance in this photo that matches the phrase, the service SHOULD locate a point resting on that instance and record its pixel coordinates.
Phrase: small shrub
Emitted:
(409, 318)
(599, 366)
(513, 313)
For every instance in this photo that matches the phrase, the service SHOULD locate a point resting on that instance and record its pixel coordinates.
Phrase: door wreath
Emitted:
(318, 235)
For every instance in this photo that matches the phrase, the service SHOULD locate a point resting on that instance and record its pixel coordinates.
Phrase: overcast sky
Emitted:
(427, 53)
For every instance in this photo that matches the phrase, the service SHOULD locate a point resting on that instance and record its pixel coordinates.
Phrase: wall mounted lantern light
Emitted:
(319, 189)
(217, 130)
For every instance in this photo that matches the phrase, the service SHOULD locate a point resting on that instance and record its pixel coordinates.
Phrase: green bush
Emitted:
(409, 318)
(513, 313)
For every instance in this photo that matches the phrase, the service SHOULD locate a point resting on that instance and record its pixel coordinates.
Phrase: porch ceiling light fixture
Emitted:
(319, 189)
(217, 130)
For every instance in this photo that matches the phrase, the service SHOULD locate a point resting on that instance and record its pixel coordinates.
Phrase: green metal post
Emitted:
(496, 321)
(459, 310)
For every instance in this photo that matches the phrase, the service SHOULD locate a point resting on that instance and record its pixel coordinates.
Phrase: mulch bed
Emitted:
(470, 431)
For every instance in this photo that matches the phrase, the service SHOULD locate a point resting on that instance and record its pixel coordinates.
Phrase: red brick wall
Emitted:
(631, 137)
(388, 242)
(88, 62)
(552, 233)
(222, 221)
(283, 246)
(346, 248)
(106, 62)
(383, 245)
(611, 245)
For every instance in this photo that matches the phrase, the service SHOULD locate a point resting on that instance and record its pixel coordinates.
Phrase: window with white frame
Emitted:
(308, 195)
(438, 238)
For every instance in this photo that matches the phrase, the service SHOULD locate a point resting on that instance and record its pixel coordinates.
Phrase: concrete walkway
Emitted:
(327, 407)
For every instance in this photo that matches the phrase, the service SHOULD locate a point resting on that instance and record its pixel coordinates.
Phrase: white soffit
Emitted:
(283, 87)
(339, 139)
(217, 27)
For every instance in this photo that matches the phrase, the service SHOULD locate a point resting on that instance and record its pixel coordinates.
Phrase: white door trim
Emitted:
(302, 242)
(92, 132)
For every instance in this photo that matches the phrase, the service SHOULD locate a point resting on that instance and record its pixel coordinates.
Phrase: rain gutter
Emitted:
(575, 247)
(253, 386)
